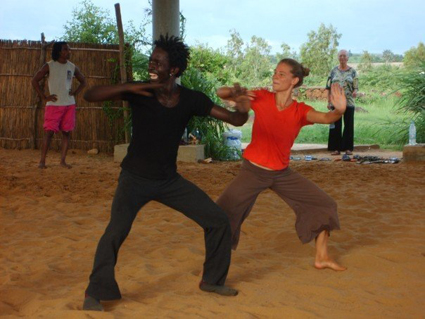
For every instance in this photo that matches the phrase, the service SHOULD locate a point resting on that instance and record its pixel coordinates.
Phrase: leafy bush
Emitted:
(412, 101)
(382, 78)
(313, 80)
(210, 129)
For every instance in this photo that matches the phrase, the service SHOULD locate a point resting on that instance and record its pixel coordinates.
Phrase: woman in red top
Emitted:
(278, 120)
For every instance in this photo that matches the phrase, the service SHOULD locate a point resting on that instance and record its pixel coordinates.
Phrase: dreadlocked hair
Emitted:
(178, 52)
(56, 50)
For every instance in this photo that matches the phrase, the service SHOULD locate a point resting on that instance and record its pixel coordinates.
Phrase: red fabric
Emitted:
(59, 118)
(274, 131)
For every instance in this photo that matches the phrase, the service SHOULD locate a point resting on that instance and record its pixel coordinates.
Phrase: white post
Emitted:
(165, 18)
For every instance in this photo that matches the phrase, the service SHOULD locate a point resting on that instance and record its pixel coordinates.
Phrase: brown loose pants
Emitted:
(315, 210)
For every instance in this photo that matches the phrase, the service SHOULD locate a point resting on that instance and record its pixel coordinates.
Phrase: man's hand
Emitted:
(242, 98)
(243, 103)
(52, 97)
(238, 91)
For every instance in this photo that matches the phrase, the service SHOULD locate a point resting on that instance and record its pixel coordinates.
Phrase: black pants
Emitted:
(132, 194)
(344, 142)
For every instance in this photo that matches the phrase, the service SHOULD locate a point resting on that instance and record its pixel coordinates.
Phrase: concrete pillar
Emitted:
(165, 18)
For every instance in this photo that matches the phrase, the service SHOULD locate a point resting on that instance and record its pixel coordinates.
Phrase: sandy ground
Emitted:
(51, 220)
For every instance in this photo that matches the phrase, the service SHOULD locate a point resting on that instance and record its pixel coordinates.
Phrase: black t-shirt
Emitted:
(157, 131)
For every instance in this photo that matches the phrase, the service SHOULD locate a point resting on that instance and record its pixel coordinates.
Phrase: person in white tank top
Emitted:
(60, 103)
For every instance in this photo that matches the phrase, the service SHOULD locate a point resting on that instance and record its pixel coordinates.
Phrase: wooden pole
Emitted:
(33, 140)
(123, 70)
(38, 104)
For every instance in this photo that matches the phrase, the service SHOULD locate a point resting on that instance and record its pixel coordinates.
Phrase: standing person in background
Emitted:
(346, 77)
(59, 114)
(277, 122)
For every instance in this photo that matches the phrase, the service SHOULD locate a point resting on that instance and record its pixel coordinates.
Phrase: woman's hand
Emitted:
(231, 93)
(338, 98)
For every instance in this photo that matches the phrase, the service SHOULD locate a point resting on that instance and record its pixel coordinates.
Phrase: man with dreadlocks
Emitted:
(59, 114)
(161, 110)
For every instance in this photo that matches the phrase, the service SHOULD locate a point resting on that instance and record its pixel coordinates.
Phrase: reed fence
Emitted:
(98, 125)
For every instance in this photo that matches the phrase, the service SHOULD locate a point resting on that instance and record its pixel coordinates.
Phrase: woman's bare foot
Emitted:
(323, 264)
(323, 260)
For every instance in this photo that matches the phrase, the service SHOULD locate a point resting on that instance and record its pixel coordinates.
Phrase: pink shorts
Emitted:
(59, 118)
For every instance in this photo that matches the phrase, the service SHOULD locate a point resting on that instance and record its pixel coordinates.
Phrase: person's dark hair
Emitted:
(178, 52)
(297, 70)
(56, 50)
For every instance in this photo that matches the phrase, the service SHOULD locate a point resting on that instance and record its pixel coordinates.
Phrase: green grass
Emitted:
(382, 125)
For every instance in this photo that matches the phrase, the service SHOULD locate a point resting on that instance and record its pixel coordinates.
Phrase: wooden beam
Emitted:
(33, 140)
(123, 69)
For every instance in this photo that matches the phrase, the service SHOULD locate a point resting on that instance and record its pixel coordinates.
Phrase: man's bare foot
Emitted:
(63, 164)
(323, 264)
(42, 165)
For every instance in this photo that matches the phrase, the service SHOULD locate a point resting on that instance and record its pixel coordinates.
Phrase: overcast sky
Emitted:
(372, 25)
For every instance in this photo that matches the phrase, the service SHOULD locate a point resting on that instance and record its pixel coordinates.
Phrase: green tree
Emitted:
(398, 58)
(212, 63)
(319, 53)
(250, 64)
(287, 52)
(415, 57)
(256, 69)
(92, 24)
(388, 56)
(365, 61)
(234, 52)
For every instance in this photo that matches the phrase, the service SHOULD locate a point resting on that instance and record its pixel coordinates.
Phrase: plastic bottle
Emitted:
(232, 139)
(412, 133)
(197, 134)
(184, 137)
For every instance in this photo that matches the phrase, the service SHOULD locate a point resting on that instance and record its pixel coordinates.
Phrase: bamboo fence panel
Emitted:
(20, 60)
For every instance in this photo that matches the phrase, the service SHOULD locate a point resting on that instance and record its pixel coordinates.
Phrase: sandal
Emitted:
(346, 158)
(349, 152)
(335, 153)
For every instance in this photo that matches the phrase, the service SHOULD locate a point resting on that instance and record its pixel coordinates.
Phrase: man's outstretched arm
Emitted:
(235, 118)
(115, 92)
